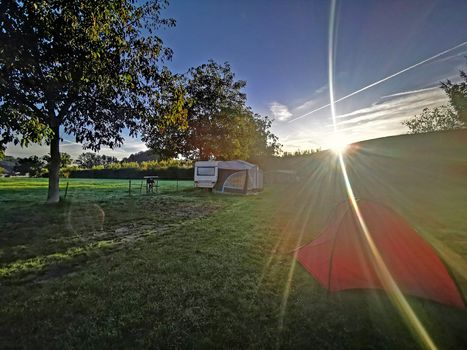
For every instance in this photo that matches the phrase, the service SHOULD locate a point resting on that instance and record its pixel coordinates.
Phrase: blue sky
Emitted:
(280, 49)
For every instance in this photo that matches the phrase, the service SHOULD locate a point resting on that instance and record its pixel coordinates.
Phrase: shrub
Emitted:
(436, 119)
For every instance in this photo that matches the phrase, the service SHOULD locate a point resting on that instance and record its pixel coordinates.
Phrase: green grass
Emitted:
(190, 269)
(35, 190)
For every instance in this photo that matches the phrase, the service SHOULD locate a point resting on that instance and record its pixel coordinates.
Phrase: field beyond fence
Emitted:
(133, 173)
(35, 189)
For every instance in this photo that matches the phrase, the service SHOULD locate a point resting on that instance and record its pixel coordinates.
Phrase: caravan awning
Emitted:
(235, 165)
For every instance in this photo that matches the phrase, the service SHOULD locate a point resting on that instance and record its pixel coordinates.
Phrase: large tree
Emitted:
(86, 68)
(219, 123)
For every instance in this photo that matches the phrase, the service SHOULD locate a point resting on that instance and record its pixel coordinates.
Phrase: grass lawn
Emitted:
(188, 269)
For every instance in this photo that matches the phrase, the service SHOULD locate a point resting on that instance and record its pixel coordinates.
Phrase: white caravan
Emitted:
(234, 176)
(206, 173)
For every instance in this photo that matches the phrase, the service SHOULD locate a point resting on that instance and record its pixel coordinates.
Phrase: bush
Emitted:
(65, 172)
(165, 169)
(436, 119)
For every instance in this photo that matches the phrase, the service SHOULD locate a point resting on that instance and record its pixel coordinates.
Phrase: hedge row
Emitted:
(134, 173)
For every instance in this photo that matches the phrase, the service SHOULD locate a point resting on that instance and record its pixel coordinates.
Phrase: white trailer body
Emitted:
(206, 173)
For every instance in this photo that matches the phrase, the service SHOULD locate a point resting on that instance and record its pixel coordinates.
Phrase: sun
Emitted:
(337, 145)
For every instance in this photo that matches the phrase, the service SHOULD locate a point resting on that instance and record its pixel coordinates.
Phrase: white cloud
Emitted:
(457, 56)
(400, 105)
(280, 111)
(402, 93)
(306, 105)
(311, 103)
(380, 81)
(383, 118)
(321, 89)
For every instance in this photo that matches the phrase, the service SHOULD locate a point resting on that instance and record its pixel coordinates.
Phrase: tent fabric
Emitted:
(339, 258)
(222, 176)
(235, 182)
(235, 165)
(232, 177)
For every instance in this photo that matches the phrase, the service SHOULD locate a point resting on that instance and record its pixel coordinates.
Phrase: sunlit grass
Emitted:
(190, 269)
(37, 264)
(35, 189)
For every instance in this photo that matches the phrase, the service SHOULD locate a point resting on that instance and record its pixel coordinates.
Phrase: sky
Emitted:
(280, 49)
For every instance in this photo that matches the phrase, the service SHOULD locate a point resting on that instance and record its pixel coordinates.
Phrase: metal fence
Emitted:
(82, 189)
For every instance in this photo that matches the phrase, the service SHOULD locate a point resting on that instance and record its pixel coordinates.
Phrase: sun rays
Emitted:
(388, 282)
(390, 286)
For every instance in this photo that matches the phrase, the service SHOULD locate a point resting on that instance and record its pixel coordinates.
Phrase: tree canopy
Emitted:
(65, 159)
(33, 166)
(219, 124)
(143, 156)
(86, 68)
(436, 119)
(88, 160)
(457, 94)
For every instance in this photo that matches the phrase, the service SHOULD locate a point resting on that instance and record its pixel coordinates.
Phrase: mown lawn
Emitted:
(190, 269)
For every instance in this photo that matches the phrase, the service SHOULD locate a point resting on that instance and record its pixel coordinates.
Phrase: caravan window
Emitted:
(206, 171)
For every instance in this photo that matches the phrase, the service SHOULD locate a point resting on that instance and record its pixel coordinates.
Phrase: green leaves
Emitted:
(89, 66)
(441, 118)
(457, 94)
(436, 119)
(208, 117)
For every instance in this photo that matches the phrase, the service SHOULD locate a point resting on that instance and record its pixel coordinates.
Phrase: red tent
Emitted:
(339, 257)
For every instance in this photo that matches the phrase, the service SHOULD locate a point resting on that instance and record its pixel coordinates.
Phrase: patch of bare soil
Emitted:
(166, 217)
(163, 217)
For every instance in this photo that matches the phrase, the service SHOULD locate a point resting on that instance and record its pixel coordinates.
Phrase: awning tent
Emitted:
(340, 257)
(238, 176)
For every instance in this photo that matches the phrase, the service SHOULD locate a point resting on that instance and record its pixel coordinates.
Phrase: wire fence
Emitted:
(81, 189)
(21, 190)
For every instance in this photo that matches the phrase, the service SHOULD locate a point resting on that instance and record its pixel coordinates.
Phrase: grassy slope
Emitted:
(216, 272)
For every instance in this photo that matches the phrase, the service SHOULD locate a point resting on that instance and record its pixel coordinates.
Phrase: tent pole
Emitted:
(245, 187)
(333, 248)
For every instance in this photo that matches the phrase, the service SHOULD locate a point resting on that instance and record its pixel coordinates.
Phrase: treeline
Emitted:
(89, 165)
(175, 168)
(165, 169)
(33, 166)
(300, 153)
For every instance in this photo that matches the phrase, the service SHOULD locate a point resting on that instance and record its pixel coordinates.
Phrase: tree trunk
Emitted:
(54, 167)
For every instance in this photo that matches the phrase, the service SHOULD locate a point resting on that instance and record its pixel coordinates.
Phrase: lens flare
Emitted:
(338, 145)
(389, 284)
